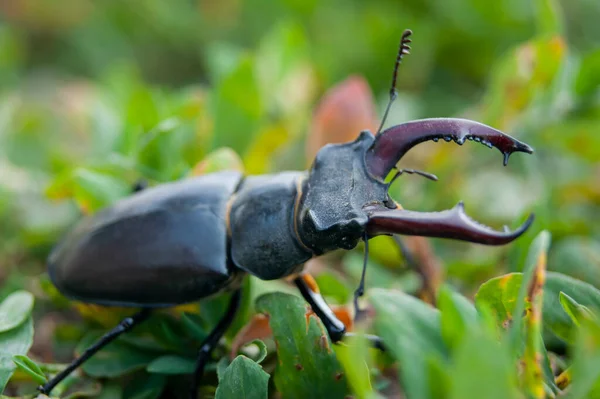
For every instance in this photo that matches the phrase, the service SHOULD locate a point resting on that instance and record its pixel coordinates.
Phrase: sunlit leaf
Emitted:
(30, 368)
(15, 309)
(576, 311)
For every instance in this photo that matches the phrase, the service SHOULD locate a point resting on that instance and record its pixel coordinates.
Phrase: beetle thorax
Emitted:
(338, 187)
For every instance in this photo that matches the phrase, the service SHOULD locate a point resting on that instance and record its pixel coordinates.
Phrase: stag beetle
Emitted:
(183, 241)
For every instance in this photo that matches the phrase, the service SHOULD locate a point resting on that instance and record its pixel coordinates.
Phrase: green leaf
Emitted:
(411, 330)
(115, 359)
(578, 257)
(585, 369)
(353, 354)
(222, 365)
(576, 311)
(500, 294)
(536, 259)
(334, 286)
(555, 318)
(220, 159)
(549, 18)
(14, 342)
(171, 364)
(15, 309)
(307, 365)
(90, 188)
(145, 386)
(31, 368)
(534, 354)
(262, 350)
(243, 379)
(192, 324)
(458, 314)
(482, 368)
(237, 108)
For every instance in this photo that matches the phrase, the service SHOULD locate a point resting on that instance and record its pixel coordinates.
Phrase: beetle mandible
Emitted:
(183, 241)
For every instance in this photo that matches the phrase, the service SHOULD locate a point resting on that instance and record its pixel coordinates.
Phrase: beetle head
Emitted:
(345, 197)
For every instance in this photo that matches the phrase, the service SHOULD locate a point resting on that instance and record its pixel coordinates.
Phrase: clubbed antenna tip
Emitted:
(402, 50)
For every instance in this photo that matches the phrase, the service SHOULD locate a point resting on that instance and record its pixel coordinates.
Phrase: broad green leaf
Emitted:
(411, 330)
(115, 359)
(576, 311)
(237, 108)
(15, 309)
(145, 386)
(458, 315)
(171, 364)
(16, 341)
(482, 368)
(244, 379)
(30, 368)
(307, 365)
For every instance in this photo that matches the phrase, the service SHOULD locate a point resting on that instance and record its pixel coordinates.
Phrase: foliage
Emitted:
(95, 96)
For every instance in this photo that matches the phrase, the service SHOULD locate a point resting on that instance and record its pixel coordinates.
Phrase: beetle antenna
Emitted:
(361, 286)
(403, 49)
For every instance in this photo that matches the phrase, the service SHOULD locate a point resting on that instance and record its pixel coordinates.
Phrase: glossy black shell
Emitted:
(264, 240)
(163, 246)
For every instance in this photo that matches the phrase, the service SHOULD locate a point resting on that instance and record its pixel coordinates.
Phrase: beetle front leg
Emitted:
(335, 328)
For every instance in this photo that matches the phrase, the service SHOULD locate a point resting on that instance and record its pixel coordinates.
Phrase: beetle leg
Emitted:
(213, 339)
(335, 328)
(453, 223)
(124, 326)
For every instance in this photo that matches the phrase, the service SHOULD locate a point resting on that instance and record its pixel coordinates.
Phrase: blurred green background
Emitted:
(96, 95)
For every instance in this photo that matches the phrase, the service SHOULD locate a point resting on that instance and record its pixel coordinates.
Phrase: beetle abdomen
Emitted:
(164, 246)
(263, 238)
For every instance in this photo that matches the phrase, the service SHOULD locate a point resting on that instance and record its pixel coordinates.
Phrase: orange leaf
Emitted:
(344, 111)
